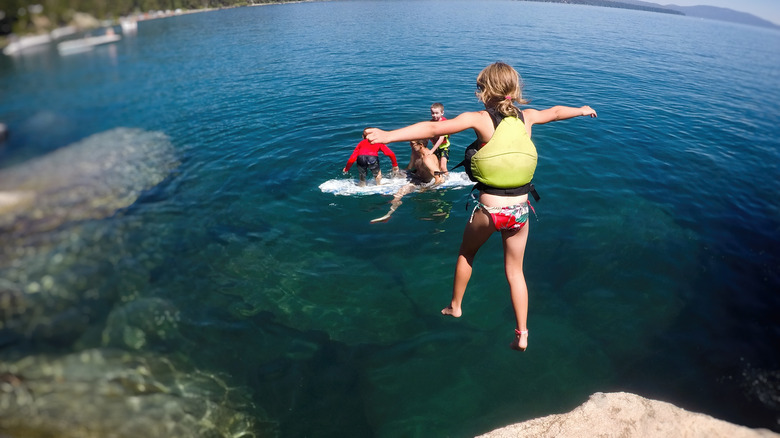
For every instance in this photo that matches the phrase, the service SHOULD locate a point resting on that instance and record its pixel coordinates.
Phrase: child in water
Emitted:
(422, 172)
(506, 211)
(441, 143)
(367, 156)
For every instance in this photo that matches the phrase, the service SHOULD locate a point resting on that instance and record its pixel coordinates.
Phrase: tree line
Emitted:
(26, 16)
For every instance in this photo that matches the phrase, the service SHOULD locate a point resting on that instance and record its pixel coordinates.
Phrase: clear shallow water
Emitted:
(653, 267)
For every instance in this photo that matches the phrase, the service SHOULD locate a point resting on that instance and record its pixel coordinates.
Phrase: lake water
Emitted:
(653, 266)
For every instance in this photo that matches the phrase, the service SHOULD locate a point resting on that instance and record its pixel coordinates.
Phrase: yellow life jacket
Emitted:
(508, 160)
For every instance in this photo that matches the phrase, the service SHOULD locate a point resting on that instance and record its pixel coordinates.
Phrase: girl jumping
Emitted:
(503, 198)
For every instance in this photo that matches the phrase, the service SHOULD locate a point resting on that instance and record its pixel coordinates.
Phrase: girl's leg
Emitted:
(477, 232)
(514, 251)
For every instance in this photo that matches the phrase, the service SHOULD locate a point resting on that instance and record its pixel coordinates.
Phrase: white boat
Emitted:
(62, 32)
(26, 42)
(86, 44)
(129, 26)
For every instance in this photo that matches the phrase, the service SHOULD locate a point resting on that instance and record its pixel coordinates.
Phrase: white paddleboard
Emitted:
(389, 186)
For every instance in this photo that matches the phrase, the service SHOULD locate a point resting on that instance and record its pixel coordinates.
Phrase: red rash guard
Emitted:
(366, 148)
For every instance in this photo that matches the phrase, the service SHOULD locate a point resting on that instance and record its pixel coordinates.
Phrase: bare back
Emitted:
(425, 165)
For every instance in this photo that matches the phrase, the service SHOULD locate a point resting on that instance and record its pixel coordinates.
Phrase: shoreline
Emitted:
(85, 22)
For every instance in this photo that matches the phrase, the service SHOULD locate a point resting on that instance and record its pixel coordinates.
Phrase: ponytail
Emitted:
(499, 86)
(507, 107)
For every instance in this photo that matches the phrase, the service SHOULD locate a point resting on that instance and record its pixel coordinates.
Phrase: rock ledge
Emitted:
(626, 415)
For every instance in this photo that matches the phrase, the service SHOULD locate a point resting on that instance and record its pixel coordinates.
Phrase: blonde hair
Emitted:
(437, 105)
(499, 86)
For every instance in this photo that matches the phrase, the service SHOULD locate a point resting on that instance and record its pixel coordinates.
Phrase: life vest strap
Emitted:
(515, 191)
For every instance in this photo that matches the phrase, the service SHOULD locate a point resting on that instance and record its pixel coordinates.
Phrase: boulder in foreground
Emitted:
(626, 415)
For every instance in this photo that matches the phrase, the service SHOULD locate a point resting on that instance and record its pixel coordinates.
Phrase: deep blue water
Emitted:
(653, 267)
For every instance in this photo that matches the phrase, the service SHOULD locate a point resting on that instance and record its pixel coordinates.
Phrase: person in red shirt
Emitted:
(367, 157)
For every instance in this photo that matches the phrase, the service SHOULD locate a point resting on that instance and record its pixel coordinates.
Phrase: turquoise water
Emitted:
(653, 266)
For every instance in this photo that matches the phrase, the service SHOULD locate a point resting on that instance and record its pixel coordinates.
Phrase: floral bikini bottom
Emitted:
(511, 217)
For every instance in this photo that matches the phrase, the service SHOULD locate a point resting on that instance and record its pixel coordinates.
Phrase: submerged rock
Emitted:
(90, 179)
(142, 324)
(69, 278)
(627, 415)
(56, 252)
(99, 393)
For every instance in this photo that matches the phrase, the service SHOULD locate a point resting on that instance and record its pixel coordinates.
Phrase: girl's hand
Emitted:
(375, 135)
(588, 111)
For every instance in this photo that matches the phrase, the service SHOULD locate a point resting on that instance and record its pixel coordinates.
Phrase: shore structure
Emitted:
(87, 43)
(16, 44)
(82, 22)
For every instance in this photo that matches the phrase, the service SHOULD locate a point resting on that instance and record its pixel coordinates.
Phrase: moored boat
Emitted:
(87, 43)
(26, 43)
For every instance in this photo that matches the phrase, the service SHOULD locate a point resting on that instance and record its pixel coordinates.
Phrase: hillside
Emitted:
(723, 14)
(710, 12)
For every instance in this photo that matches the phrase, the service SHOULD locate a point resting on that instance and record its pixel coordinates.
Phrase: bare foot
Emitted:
(452, 312)
(521, 340)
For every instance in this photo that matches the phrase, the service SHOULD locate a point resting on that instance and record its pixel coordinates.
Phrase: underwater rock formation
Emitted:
(99, 393)
(90, 179)
(72, 275)
(143, 323)
(55, 248)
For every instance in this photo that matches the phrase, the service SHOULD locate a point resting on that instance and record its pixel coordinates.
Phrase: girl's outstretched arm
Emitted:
(473, 120)
(408, 133)
(536, 117)
(557, 113)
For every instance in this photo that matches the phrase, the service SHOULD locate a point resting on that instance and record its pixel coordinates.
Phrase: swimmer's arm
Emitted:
(386, 150)
(438, 143)
(351, 160)
(470, 120)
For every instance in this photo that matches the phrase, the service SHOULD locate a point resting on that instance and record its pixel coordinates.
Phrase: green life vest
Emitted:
(508, 160)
